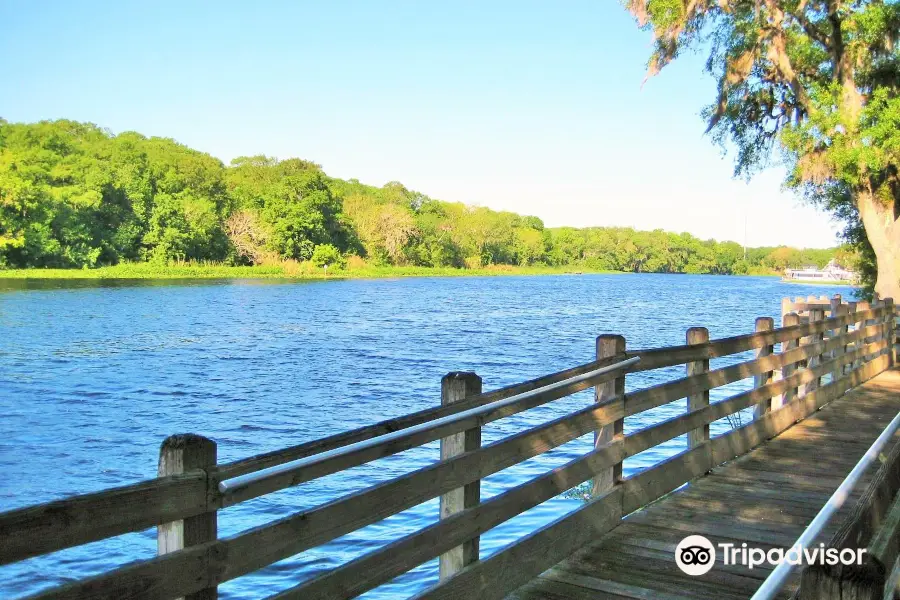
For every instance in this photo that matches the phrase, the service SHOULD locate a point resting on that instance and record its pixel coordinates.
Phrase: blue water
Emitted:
(93, 376)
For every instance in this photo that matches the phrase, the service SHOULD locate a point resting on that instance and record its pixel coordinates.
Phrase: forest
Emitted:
(74, 195)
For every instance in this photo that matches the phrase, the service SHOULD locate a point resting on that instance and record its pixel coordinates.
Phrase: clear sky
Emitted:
(535, 107)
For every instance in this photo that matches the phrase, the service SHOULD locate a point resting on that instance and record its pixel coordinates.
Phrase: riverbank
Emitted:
(287, 271)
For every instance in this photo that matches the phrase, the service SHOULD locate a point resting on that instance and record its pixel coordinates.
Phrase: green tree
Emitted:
(820, 79)
(293, 201)
(529, 246)
(188, 205)
(64, 196)
(326, 255)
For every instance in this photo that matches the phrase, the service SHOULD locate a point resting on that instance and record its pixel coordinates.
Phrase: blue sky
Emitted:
(535, 107)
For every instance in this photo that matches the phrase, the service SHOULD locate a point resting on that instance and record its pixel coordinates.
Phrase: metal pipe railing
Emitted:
(777, 578)
(230, 486)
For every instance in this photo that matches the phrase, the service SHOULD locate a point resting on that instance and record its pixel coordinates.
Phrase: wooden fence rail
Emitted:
(818, 359)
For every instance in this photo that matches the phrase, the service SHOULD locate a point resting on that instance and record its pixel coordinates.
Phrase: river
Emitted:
(94, 375)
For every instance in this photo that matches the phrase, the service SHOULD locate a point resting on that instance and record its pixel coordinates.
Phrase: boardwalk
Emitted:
(765, 498)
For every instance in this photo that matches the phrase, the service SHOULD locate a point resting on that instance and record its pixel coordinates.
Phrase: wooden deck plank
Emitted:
(721, 510)
(764, 498)
(653, 575)
(737, 473)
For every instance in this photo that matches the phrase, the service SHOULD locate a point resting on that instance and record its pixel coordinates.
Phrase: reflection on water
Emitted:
(91, 383)
(16, 285)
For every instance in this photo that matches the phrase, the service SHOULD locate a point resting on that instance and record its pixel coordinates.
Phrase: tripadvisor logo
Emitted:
(696, 555)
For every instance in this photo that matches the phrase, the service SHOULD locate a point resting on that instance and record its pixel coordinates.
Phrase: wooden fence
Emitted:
(819, 360)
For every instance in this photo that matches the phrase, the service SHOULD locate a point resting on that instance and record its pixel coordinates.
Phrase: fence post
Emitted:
(832, 313)
(886, 303)
(786, 307)
(814, 338)
(878, 336)
(836, 301)
(851, 309)
(179, 454)
(456, 387)
(609, 345)
(836, 311)
(697, 335)
(862, 307)
(812, 300)
(842, 311)
(788, 320)
(763, 324)
(889, 322)
(803, 340)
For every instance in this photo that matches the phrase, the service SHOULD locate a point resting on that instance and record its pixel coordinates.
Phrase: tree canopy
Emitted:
(815, 80)
(74, 195)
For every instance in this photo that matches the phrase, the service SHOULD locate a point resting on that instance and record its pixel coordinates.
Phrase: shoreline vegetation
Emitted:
(287, 272)
(79, 202)
(295, 271)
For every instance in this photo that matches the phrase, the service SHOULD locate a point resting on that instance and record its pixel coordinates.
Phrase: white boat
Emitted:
(832, 273)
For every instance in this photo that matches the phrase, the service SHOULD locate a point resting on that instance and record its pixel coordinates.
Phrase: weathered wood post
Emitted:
(862, 306)
(802, 310)
(786, 307)
(851, 309)
(180, 454)
(835, 302)
(895, 357)
(878, 336)
(889, 326)
(842, 311)
(877, 302)
(815, 314)
(607, 346)
(835, 312)
(763, 324)
(886, 331)
(456, 387)
(788, 320)
(697, 335)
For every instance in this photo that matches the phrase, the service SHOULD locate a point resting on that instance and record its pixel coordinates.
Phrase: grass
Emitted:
(286, 270)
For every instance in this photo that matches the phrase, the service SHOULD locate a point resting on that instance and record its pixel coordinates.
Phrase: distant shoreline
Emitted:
(147, 271)
(293, 272)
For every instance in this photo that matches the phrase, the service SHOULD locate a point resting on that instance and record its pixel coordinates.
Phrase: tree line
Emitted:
(73, 195)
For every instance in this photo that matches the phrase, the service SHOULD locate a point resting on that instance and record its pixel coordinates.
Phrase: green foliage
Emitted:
(74, 195)
(326, 255)
(293, 201)
(818, 80)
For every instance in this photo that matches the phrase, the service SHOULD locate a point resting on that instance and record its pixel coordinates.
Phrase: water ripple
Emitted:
(93, 376)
